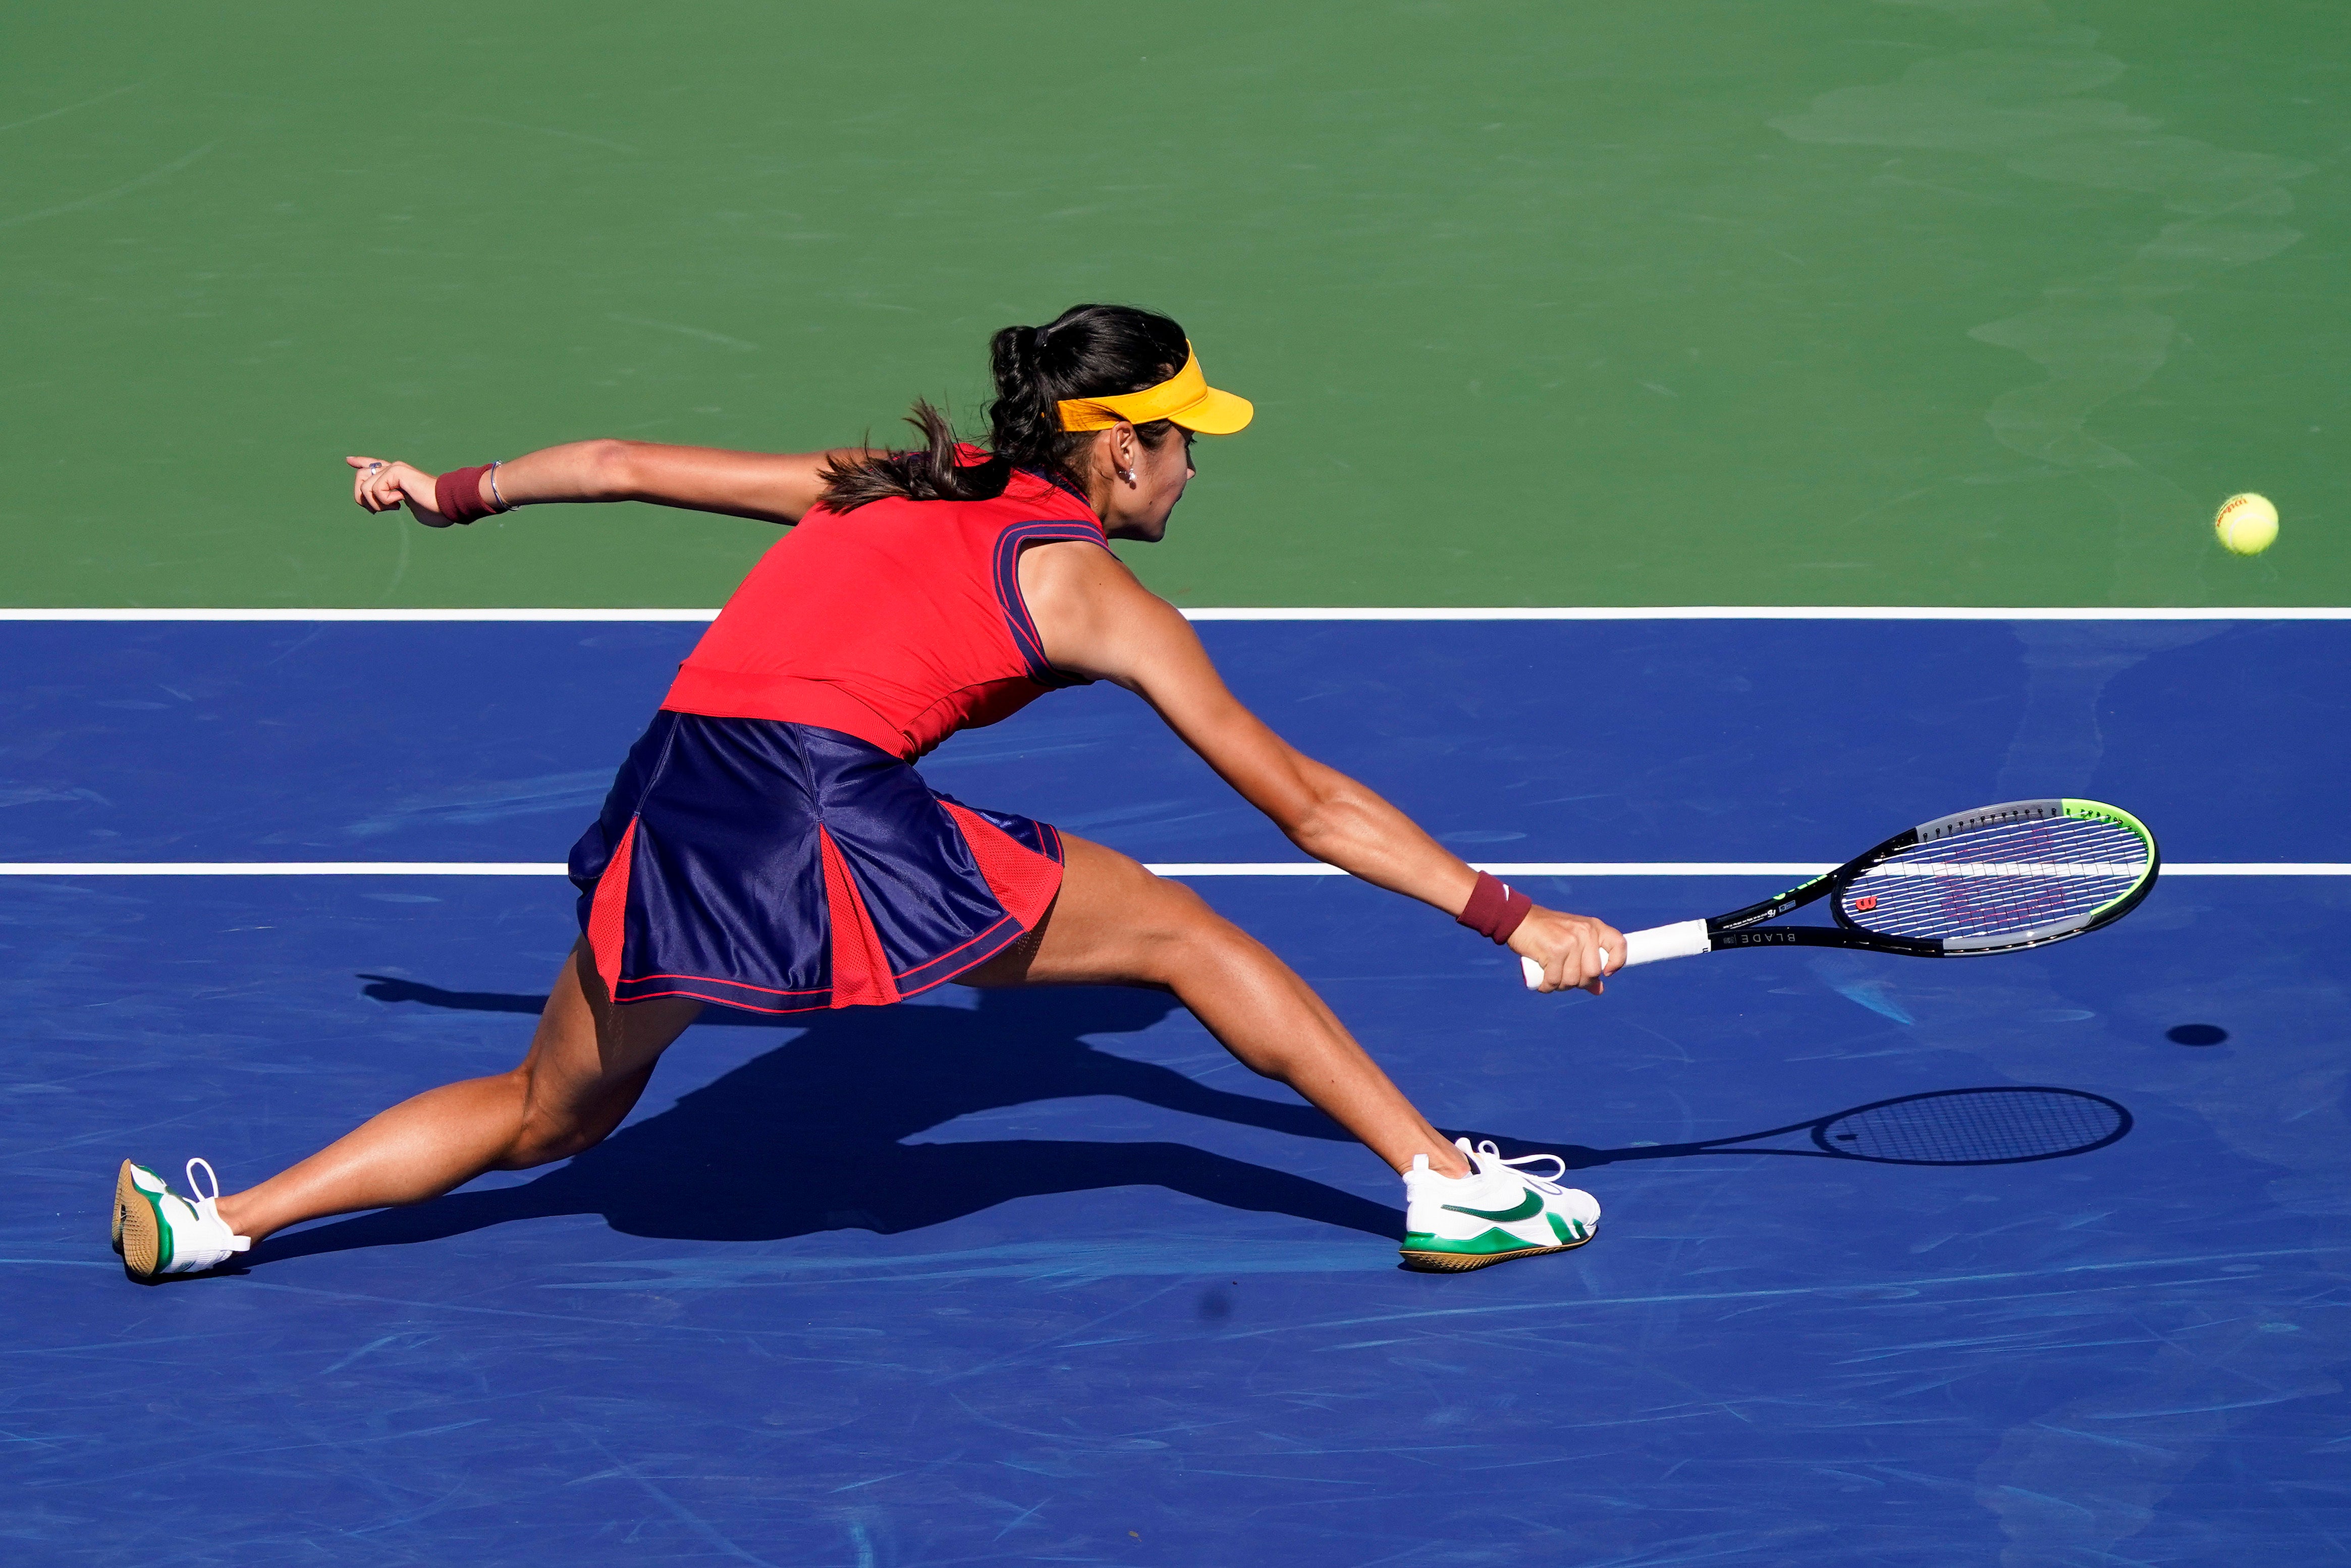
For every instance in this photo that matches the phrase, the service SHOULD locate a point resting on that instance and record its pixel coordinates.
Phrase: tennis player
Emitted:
(769, 846)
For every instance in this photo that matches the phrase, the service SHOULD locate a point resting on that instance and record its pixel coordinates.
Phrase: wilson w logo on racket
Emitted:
(1994, 879)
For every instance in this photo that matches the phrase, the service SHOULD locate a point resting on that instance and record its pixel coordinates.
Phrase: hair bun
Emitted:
(1085, 350)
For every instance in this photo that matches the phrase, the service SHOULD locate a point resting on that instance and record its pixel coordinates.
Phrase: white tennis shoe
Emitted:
(159, 1232)
(1495, 1213)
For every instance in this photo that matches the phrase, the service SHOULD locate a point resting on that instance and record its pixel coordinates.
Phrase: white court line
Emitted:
(1169, 868)
(1777, 612)
(282, 868)
(1602, 613)
(314, 614)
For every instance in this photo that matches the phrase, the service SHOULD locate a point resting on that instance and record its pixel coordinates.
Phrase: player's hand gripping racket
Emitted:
(1988, 881)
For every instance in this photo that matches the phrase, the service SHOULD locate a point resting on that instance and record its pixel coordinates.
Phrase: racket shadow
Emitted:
(1994, 1124)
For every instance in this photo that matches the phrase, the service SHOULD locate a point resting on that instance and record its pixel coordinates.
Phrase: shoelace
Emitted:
(1549, 1185)
(208, 1205)
(204, 1199)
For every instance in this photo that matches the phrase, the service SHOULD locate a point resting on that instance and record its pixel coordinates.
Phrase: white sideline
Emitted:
(1169, 868)
(1252, 613)
(1184, 868)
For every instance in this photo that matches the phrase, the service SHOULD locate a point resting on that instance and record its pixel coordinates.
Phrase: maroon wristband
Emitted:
(1495, 908)
(458, 495)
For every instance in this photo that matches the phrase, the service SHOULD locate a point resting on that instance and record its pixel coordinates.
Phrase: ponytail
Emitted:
(933, 472)
(1088, 351)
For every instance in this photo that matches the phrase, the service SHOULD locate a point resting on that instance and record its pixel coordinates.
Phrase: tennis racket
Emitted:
(1994, 879)
(2005, 1125)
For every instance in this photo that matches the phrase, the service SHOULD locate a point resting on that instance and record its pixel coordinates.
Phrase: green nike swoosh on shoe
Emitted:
(1533, 1205)
(1504, 1212)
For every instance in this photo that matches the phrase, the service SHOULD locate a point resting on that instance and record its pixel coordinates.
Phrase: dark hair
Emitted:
(1088, 351)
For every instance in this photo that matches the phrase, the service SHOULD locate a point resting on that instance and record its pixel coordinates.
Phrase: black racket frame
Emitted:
(1735, 929)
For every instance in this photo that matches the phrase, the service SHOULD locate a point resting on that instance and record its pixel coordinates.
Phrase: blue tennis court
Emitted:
(1046, 1277)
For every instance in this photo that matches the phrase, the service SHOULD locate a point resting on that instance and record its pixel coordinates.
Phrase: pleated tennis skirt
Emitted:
(779, 868)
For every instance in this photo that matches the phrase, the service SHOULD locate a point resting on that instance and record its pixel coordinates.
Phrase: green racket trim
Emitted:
(2098, 811)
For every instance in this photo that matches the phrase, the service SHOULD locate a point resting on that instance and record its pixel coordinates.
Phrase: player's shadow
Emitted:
(809, 1137)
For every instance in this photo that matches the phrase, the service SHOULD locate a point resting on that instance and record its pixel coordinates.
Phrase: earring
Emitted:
(1127, 475)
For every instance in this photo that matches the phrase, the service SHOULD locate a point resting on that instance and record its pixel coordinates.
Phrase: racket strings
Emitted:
(1976, 1126)
(1998, 880)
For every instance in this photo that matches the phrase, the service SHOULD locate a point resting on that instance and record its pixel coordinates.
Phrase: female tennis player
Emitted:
(769, 845)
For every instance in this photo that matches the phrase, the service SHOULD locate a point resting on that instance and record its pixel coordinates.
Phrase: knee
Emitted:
(1177, 934)
(537, 1147)
(546, 1137)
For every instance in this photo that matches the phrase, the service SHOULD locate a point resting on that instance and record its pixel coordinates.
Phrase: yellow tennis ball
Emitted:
(2247, 524)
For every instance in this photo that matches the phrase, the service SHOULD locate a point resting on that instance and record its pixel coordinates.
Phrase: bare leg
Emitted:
(1117, 924)
(586, 1065)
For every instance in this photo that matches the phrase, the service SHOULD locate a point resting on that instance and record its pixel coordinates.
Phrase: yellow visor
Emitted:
(1187, 398)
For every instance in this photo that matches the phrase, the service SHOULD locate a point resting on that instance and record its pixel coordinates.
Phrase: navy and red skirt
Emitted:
(779, 868)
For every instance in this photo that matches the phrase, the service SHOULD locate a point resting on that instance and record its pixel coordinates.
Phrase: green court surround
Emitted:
(1817, 302)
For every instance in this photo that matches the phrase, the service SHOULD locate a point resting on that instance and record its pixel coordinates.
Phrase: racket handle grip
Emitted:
(1682, 939)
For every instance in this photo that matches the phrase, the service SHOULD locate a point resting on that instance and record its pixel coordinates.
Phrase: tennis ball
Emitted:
(2247, 524)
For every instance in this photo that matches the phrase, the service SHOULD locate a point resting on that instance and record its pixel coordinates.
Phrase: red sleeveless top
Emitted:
(900, 622)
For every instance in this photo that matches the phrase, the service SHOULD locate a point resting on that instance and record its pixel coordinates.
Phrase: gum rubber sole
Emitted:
(139, 1234)
(1460, 1262)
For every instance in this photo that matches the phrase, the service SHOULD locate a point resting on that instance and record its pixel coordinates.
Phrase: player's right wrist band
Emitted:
(1495, 908)
(458, 495)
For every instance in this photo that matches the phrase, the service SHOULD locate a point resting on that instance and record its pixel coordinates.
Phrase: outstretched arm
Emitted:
(1097, 619)
(775, 487)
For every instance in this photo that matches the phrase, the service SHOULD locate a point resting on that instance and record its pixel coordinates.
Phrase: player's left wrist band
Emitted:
(1495, 908)
(458, 495)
